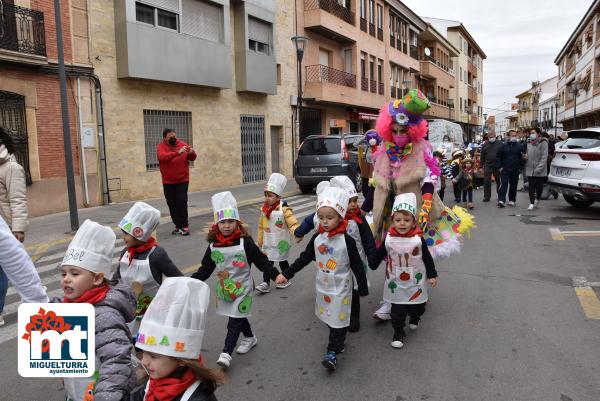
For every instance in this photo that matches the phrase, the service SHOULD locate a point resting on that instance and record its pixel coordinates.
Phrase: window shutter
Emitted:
(169, 5)
(202, 19)
(259, 31)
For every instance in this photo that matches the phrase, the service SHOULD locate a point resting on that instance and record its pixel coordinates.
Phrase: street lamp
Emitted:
(575, 88)
(300, 43)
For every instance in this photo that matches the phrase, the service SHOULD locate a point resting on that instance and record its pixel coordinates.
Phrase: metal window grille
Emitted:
(254, 166)
(155, 121)
(12, 117)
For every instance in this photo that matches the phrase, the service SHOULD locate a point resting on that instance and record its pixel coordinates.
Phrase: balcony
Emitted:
(322, 73)
(373, 85)
(380, 34)
(372, 29)
(472, 68)
(329, 19)
(472, 95)
(430, 69)
(363, 25)
(364, 84)
(438, 110)
(22, 35)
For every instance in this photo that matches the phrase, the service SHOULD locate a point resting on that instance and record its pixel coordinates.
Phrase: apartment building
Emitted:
(578, 62)
(30, 105)
(360, 54)
(221, 73)
(536, 104)
(468, 92)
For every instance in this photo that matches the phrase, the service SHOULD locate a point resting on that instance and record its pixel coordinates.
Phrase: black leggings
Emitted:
(536, 186)
(235, 326)
(283, 265)
(400, 311)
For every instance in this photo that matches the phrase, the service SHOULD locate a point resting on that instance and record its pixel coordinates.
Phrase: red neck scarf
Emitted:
(340, 229)
(222, 240)
(92, 296)
(268, 209)
(414, 231)
(142, 248)
(354, 215)
(167, 388)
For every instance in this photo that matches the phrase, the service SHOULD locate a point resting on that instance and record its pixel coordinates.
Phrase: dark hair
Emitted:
(210, 378)
(211, 236)
(537, 129)
(167, 131)
(437, 154)
(7, 140)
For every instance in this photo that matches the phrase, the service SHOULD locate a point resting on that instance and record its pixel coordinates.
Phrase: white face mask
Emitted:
(514, 139)
(492, 140)
(532, 136)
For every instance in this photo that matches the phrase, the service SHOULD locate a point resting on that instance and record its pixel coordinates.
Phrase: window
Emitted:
(167, 19)
(379, 16)
(144, 13)
(363, 8)
(461, 104)
(260, 35)
(372, 11)
(155, 121)
(461, 74)
(203, 19)
(372, 68)
(363, 65)
(156, 16)
(380, 71)
(278, 74)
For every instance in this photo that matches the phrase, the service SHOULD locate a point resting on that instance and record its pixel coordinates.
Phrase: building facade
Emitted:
(578, 65)
(220, 73)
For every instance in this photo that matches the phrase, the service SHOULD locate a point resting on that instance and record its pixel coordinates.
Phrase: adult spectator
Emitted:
(13, 201)
(174, 156)
(536, 171)
(509, 162)
(489, 150)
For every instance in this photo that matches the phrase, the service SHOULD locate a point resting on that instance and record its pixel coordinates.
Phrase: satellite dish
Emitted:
(427, 52)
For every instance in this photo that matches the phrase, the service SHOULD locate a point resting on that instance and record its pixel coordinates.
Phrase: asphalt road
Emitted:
(504, 323)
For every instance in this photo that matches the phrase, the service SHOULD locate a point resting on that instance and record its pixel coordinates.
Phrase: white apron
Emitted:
(234, 280)
(354, 232)
(82, 388)
(276, 238)
(139, 271)
(185, 396)
(405, 275)
(334, 281)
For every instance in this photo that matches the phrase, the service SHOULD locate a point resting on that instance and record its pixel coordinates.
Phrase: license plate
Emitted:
(318, 170)
(562, 172)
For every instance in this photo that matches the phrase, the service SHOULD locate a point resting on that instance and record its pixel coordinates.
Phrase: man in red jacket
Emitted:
(173, 157)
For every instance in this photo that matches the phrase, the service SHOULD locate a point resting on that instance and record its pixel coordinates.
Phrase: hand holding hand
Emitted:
(433, 282)
(281, 279)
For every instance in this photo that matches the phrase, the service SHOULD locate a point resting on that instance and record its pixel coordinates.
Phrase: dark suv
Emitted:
(322, 157)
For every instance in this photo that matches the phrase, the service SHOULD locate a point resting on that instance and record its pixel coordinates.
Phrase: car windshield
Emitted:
(582, 140)
(320, 146)
(352, 142)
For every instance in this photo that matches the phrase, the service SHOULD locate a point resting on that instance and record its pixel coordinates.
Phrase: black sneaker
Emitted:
(176, 231)
(330, 360)
(486, 200)
(185, 231)
(399, 339)
(354, 324)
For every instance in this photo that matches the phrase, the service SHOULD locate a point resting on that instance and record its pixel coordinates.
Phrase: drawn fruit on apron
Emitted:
(227, 289)
(392, 286)
(416, 295)
(324, 249)
(142, 305)
(217, 257)
(327, 299)
(418, 277)
(279, 223)
(404, 276)
(245, 305)
(240, 260)
(283, 246)
(415, 251)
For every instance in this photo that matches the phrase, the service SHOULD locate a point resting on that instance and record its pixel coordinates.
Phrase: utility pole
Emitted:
(65, 120)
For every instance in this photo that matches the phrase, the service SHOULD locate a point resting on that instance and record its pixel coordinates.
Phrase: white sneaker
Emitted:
(282, 286)
(397, 344)
(531, 206)
(224, 360)
(246, 344)
(262, 287)
(536, 204)
(511, 203)
(1, 320)
(384, 311)
(413, 327)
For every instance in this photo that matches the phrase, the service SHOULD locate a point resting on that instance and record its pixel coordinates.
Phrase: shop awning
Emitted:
(367, 116)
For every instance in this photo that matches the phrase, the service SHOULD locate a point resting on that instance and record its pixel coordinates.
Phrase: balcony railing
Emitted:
(22, 29)
(393, 92)
(381, 88)
(364, 83)
(363, 25)
(373, 85)
(380, 34)
(372, 29)
(332, 7)
(323, 73)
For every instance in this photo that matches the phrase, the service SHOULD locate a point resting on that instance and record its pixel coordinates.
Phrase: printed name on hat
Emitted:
(73, 255)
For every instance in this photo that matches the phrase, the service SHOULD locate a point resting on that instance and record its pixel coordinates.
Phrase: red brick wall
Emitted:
(47, 7)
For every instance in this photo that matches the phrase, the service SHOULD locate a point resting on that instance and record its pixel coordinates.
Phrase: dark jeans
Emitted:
(337, 339)
(467, 195)
(283, 265)
(400, 311)
(487, 182)
(177, 200)
(509, 182)
(456, 192)
(536, 185)
(235, 326)
(365, 186)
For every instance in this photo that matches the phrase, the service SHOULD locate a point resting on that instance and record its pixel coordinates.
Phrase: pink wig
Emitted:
(384, 123)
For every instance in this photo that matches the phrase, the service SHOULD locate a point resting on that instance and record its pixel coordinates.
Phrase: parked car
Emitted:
(575, 169)
(321, 157)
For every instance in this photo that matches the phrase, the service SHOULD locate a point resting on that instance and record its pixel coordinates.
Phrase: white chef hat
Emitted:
(407, 202)
(276, 184)
(92, 248)
(140, 221)
(224, 206)
(321, 186)
(174, 323)
(344, 182)
(335, 198)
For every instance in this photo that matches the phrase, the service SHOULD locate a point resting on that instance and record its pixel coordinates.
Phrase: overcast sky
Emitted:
(521, 38)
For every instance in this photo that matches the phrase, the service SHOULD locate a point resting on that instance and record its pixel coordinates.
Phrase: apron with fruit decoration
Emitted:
(139, 272)
(82, 388)
(354, 232)
(405, 275)
(234, 280)
(334, 280)
(276, 238)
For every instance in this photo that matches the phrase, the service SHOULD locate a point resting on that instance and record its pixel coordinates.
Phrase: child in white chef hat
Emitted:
(275, 225)
(231, 253)
(170, 338)
(408, 269)
(84, 269)
(143, 263)
(338, 265)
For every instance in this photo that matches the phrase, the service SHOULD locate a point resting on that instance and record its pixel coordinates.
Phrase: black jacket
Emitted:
(509, 157)
(489, 152)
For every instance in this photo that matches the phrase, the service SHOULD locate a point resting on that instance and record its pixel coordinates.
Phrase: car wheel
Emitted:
(358, 181)
(571, 200)
(306, 189)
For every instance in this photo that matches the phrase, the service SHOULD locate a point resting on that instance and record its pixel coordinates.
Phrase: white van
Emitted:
(439, 128)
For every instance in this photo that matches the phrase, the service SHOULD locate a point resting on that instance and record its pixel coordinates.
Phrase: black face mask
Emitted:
(172, 141)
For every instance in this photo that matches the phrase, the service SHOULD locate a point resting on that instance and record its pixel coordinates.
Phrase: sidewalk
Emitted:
(53, 229)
